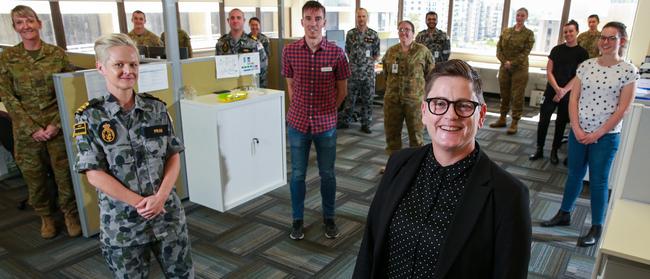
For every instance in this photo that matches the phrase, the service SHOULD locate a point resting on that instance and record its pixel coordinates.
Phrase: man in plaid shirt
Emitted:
(316, 73)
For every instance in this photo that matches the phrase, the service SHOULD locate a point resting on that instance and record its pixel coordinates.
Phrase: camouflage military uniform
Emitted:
(589, 41)
(183, 41)
(147, 38)
(133, 147)
(514, 46)
(246, 44)
(405, 73)
(437, 42)
(27, 90)
(266, 43)
(362, 48)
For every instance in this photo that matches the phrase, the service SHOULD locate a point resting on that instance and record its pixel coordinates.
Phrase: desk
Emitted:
(489, 72)
(625, 241)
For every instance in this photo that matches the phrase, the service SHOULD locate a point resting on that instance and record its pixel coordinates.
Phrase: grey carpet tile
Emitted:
(349, 229)
(212, 262)
(11, 268)
(252, 206)
(548, 260)
(342, 267)
(245, 239)
(280, 214)
(210, 222)
(345, 165)
(354, 210)
(13, 183)
(59, 253)
(350, 183)
(299, 256)
(260, 270)
(91, 267)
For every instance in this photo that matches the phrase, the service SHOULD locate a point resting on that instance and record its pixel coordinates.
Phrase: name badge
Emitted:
(326, 69)
(436, 54)
(156, 131)
(394, 68)
(367, 53)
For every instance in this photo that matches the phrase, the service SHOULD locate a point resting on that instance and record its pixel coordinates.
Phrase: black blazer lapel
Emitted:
(467, 214)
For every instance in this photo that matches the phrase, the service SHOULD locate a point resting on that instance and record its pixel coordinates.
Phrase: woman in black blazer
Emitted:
(489, 231)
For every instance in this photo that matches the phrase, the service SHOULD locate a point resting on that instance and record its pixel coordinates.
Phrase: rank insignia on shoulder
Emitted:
(225, 48)
(108, 134)
(80, 129)
(149, 96)
(82, 108)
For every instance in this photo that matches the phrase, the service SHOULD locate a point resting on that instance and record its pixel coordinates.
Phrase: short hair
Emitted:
(431, 13)
(455, 68)
(574, 23)
(362, 9)
(594, 16)
(23, 11)
(409, 23)
(243, 15)
(112, 40)
(523, 9)
(139, 12)
(313, 5)
(254, 19)
(622, 32)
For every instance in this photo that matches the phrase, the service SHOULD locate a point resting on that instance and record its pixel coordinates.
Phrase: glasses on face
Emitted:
(404, 30)
(463, 108)
(608, 38)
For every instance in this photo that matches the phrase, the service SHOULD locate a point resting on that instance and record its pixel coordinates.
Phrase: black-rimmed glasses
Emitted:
(463, 108)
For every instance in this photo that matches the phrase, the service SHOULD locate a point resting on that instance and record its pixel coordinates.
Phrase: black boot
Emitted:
(554, 158)
(539, 153)
(561, 218)
(592, 237)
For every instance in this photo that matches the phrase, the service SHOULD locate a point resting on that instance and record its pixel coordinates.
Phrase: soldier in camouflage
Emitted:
(362, 47)
(435, 39)
(515, 43)
(27, 90)
(141, 35)
(127, 149)
(405, 67)
(237, 41)
(589, 39)
(256, 34)
(183, 41)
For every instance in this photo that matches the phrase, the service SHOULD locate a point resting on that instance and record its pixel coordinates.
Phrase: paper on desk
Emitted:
(249, 63)
(227, 66)
(153, 77)
(95, 84)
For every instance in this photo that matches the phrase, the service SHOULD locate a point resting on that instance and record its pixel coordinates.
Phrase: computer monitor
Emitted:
(143, 51)
(159, 52)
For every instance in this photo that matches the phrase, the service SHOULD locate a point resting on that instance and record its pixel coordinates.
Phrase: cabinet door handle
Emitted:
(254, 142)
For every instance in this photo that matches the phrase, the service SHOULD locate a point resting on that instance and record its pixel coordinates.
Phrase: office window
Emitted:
(476, 26)
(607, 10)
(269, 21)
(84, 22)
(9, 36)
(382, 17)
(544, 18)
(153, 12)
(201, 21)
(340, 14)
(416, 13)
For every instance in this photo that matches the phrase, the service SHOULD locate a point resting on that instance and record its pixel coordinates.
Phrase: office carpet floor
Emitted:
(251, 241)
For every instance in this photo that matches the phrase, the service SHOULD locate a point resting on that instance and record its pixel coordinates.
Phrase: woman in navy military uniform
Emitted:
(127, 149)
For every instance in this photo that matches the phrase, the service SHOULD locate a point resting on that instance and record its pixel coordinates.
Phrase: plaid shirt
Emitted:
(313, 104)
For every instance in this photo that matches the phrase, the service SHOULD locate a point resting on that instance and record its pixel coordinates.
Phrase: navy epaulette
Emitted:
(87, 105)
(152, 97)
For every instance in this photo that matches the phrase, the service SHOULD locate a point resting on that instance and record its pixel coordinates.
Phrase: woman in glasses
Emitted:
(515, 43)
(603, 91)
(560, 72)
(405, 66)
(445, 210)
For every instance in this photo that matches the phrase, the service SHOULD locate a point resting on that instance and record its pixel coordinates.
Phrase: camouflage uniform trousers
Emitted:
(35, 160)
(359, 92)
(262, 78)
(512, 84)
(173, 255)
(397, 109)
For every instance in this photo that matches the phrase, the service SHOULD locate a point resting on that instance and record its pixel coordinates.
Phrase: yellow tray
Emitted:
(232, 97)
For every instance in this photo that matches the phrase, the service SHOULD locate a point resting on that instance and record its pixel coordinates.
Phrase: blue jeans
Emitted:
(300, 144)
(599, 157)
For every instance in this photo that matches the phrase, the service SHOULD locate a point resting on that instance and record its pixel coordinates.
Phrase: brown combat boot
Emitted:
(513, 127)
(501, 122)
(48, 229)
(72, 224)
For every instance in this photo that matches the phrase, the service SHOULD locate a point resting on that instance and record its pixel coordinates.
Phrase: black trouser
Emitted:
(6, 135)
(546, 111)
